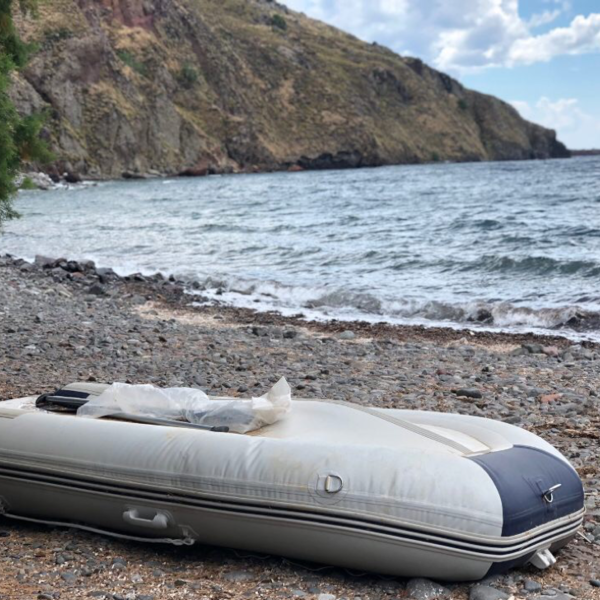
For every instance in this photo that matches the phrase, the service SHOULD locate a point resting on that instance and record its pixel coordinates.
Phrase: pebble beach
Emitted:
(63, 321)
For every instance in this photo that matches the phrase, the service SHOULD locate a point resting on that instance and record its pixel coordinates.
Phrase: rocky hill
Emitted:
(169, 86)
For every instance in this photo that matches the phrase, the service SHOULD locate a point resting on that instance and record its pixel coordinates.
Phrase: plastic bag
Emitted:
(194, 406)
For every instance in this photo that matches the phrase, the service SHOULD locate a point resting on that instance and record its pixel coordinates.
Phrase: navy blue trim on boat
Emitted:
(524, 477)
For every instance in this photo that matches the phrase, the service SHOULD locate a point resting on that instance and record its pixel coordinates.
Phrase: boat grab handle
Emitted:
(159, 521)
(549, 494)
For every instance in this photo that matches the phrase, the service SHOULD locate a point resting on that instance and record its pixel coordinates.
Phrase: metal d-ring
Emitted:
(549, 494)
(333, 484)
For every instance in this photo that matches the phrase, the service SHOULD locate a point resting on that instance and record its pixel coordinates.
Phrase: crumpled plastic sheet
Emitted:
(194, 406)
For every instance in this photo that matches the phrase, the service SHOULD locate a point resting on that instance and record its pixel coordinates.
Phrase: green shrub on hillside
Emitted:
(187, 76)
(55, 36)
(278, 22)
(131, 61)
(28, 140)
(462, 104)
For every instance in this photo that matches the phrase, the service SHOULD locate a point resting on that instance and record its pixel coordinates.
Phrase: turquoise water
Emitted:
(512, 245)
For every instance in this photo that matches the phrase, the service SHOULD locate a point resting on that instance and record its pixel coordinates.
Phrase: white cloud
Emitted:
(462, 35)
(575, 127)
(544, 18)
(581, 37)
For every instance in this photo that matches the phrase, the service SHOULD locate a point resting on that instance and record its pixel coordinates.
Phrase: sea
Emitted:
(506, 246)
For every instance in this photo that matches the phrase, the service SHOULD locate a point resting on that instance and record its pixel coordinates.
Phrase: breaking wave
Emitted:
(508, 246)
(319, 304)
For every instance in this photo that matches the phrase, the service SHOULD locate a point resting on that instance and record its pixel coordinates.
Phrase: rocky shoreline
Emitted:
(64, 320)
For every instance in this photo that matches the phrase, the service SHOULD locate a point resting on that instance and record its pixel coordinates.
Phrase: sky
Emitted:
(542, 56)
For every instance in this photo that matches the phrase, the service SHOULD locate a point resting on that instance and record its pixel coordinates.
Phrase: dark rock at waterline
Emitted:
(54, 175)
(106, 274)
(72, 266)
(584, 321)
(340, 160)
(57, 273)
(202, 168)
(483, 315)
(44, 262)
(72, 177)
(133, 175)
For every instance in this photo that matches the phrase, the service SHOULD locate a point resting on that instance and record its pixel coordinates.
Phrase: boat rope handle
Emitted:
(187, 541)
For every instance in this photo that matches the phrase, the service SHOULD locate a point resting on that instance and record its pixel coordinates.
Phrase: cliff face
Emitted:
(166, 86)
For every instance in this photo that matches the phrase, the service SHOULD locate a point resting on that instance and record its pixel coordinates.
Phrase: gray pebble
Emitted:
(238, 576)
(425, 589)
(484, 592)
(553, 595)
(69, 576)
(531, 586)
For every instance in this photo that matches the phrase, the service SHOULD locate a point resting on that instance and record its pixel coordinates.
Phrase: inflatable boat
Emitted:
(398, 492)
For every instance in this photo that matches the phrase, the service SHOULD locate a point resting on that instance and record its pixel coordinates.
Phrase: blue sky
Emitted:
(543, 56)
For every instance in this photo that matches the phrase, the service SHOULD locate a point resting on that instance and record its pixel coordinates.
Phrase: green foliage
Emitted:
(462, 104)
(11, 45)
(278, 22)
(30, 6)
(27, 138)
(187, 76)
(435, 157)
(131, 61)
(19, 137)
(8, 149)
(27, 184)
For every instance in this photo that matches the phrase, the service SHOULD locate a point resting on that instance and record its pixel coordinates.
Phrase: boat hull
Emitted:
(357, 506)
